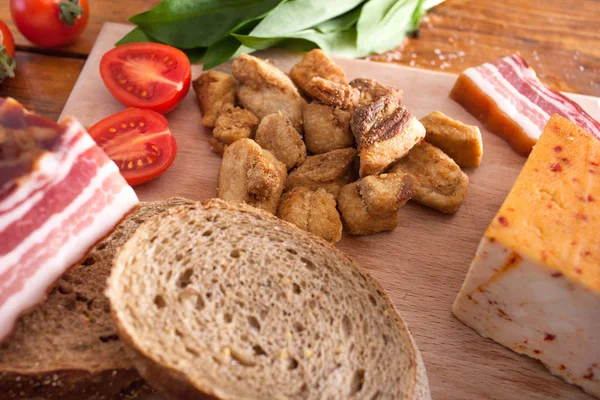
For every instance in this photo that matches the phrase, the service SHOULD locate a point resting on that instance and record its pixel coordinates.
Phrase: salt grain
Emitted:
(437, 51)
(581, 68)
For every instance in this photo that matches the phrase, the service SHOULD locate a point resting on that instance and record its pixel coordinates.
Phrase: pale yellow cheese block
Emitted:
(534, 285)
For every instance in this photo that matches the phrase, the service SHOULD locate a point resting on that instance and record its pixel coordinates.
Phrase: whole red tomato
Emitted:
(7, 52)
(50, 23)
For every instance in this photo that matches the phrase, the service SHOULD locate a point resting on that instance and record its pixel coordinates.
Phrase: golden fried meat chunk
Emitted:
(384, 132)
(214, 90)
(439, 181)
(356, 217)
(251, 175)
(326, 128)
(277, 135)
(232, 124)
(313, 211)
(382, 194)
(332, 93)
(460, 141)
(328, 171)
(371, 90)
(316, 63)
(263, 89)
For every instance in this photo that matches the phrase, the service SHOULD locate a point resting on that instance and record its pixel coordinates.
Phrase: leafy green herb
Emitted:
(222, 29)
(199, 23)
(137, 35)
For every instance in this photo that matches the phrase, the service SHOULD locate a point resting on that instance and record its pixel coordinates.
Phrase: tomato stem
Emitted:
(69, 11)
(7, 64)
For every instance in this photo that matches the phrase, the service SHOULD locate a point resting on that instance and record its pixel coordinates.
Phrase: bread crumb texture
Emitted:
(243, 305)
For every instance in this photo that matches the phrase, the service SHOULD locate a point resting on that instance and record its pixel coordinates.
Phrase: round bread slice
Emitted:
(223, 301)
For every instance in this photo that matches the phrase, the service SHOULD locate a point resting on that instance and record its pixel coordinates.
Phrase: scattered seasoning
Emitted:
(574, 243)
(587, 253)
(590, 198)
(557, 275)
(536, 351)
(575, 180)
(565, 160)
(581, 217)
(590, 375)
(503, 221)
(549, 337)
(555, 167)
(562, 367)
(578, 270)
(558, 149)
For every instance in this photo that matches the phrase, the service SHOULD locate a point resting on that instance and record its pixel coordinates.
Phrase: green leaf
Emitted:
(223, 50)
(297, 15)
(199, 23)
(337, 43)
(340, 23)
(383, 24)
(137, 35)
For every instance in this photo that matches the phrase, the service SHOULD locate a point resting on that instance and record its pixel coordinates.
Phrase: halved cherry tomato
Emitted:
(138, 141)
(147, 75)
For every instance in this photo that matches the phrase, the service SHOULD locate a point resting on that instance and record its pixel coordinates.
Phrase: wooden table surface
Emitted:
(559, 38)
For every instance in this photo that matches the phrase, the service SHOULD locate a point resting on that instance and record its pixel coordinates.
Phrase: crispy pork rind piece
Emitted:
(326, 128)
(357, 220)
(316, 63)
(382, 194)
(232, 124)
(460, 141)
(439, 181)
(332, 94)
(251, 175)
(313, 211)
(328, 171)
(277, 135)
(371, 90)
(384, 132)
(263, 89)
(214, 91)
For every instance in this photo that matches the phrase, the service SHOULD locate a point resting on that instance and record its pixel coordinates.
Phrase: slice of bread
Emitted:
(223, 301)
(68, 348)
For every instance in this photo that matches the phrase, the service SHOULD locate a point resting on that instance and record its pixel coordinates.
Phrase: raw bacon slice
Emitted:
(507, 96)
(59, 195)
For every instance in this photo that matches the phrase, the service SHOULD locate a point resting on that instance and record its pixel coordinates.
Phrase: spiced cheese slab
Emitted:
(534, 284)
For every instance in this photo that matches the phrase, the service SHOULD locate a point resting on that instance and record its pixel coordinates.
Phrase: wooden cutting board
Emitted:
(421, 264)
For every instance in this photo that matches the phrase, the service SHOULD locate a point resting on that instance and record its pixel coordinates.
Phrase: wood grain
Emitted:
(42, 83)
(421, 264)
(559, 38)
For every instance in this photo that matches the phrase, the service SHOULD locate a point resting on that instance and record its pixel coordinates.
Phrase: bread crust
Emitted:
(179, 386)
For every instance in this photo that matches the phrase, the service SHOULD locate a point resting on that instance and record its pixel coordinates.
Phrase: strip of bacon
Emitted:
(507, 96)
(59, 195)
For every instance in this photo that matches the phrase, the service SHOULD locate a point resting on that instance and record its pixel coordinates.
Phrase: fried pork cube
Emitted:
(382, 194)
(460, 141)
(371, 204)
(263, 89)
(328, 171)
(313, 211)
(371, 90)
(439, 181)
(214, 90)
(277, 135)
(316, 63)
(251, 175)
(384, 132)
(232, 124)
(332, 93)
(326, 128)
